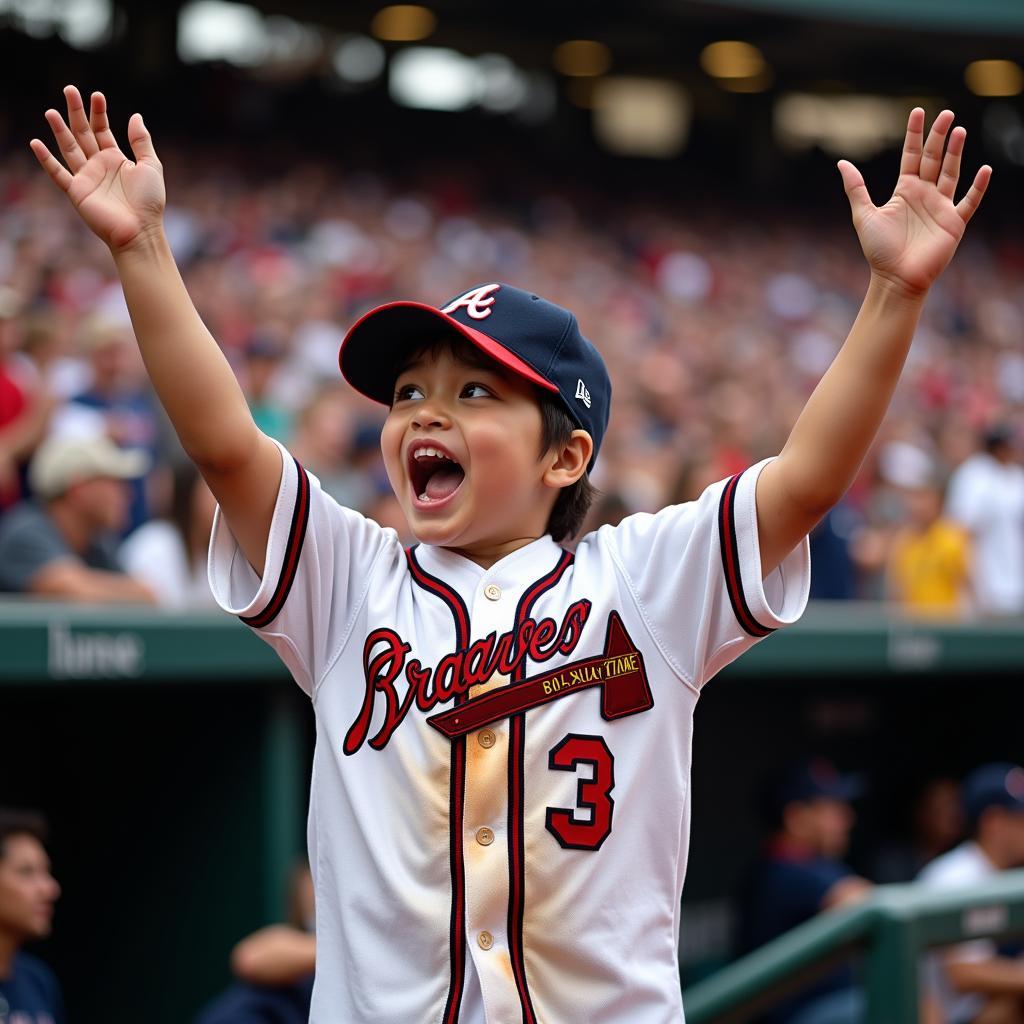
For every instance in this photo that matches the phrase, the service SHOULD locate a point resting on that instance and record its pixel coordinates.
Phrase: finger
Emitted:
(78, 122)
(856, 190)
(931, 158)
(950, 173)
(99, 122)
(66, 142)
(141, 141)
(59, 174)
(972, 200)
(913, 143)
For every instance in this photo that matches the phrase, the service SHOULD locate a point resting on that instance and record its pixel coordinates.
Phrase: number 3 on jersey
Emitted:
(592, 794)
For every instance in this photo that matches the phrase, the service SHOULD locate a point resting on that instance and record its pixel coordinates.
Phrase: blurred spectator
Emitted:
(799, 875)
(168, 555)
(274, 966)
(24, 403)
(118, 402)
(63, 544)
(986, 496)
(834, 573)
(323, 442)
(263, 354)
(715, 326)
(29, 992)
(972, 982)
(929, 562)
(937, 824)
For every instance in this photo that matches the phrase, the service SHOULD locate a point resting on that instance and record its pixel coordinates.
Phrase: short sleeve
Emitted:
(695, 573)
(28, 544)
(319, 564)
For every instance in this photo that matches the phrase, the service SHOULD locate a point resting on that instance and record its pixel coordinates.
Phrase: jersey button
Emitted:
(485, 940)
(487, 739)
(484, 836)
(492, 592)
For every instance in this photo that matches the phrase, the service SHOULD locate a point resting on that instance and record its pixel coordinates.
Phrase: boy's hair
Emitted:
(573, 503)
(15, 822)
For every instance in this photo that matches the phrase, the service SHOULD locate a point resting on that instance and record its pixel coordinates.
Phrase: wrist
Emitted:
(894, 290)
(149, 243)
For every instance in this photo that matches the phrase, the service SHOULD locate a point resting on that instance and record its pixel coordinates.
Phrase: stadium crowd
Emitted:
(715, 327)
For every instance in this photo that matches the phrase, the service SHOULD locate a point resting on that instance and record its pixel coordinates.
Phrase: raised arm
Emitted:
(122, 202)
(907, 243)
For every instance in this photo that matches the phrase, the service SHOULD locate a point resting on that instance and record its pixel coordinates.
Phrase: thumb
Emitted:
(856, 190)
(141, 141)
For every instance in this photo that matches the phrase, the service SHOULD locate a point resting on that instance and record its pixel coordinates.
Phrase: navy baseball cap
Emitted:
(993, 785)
(526, 334)
(813, 779)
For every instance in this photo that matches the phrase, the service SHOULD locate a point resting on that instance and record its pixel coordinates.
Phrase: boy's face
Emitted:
(461, 446)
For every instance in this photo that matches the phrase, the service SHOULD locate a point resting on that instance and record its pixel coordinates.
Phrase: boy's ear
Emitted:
(566, 466)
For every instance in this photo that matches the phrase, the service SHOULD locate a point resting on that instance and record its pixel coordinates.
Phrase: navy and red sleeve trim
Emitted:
(292, 551)
(731, 561)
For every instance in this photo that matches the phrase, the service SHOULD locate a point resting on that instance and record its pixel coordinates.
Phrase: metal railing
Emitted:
(891, 928)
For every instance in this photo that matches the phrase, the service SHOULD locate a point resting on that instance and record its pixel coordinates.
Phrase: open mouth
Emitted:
(434, 474)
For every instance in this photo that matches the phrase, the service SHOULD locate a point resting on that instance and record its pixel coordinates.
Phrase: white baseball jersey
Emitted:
(500, 804)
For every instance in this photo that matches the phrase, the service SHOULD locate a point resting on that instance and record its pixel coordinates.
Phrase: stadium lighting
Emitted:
(215, 30)
(403, 23)
(503, 87)
(994, 78)
(736, 66)
(731, 58)
(358, 59)
(641, 116)
(433, 78)
(852, 126)
(84, 24)
(582, 58)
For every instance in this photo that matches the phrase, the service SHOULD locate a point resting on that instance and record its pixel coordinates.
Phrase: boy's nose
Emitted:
(431, 415)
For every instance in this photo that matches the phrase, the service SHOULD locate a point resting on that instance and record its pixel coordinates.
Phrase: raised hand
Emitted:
(910, 239)
(121, 201)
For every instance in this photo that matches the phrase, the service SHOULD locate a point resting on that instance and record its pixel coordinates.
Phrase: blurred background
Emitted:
(664, 169)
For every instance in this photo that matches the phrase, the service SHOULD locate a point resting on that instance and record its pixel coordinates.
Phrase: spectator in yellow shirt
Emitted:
(929, 563)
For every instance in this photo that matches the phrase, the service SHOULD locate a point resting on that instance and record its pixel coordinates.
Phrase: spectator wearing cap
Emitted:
(974, 982)
(800, 874)
(29, 992)
(263, 355)
(63, 544)
(929, 567)
(118, 403)
(986, 496)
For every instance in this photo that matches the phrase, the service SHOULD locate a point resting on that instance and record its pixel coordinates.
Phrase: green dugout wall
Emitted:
(172, 755)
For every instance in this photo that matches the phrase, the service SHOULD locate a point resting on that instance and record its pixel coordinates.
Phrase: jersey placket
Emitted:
(485, 823)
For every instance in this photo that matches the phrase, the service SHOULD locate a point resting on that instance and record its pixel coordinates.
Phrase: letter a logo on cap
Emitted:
(478, 302)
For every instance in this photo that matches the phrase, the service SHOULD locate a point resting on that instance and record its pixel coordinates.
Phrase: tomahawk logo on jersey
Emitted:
(500, 802)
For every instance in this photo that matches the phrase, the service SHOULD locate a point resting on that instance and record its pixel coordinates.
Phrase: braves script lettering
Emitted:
(401, 681)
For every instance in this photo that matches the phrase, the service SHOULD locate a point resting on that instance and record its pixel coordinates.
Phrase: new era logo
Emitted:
(582, 393)
(477, 302)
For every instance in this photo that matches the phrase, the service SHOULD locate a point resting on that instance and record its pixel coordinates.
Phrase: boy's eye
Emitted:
(406, 392)
(475, 391)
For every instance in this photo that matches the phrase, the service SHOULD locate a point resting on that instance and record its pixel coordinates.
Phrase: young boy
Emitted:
(499, 813)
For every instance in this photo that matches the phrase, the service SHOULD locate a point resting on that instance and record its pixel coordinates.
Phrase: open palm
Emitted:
(913, 236)
(119, 199)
